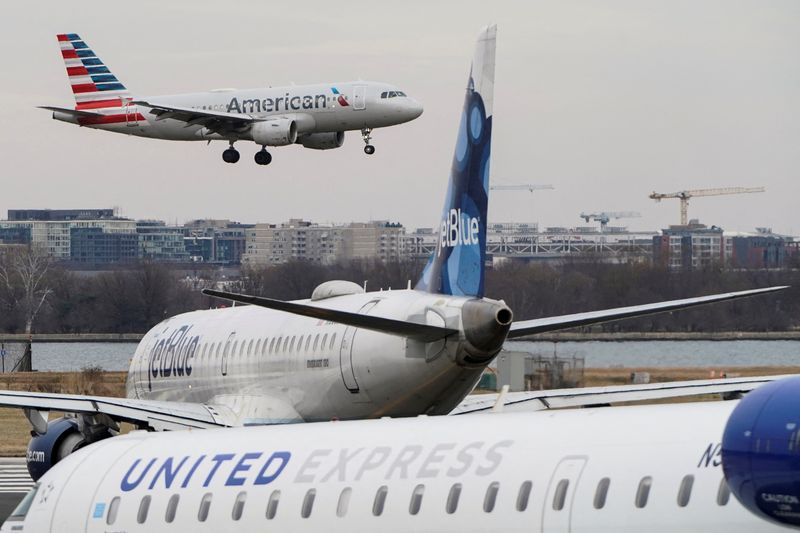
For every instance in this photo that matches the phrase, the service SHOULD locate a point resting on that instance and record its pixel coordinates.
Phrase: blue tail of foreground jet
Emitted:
(457, 265)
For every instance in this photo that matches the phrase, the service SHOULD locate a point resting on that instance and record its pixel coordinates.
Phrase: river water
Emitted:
(117, 355)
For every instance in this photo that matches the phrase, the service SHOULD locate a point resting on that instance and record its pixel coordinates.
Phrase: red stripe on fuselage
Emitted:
(97, 104)
(77, 71)
(62, 37)
(110, 119)
(69, 54)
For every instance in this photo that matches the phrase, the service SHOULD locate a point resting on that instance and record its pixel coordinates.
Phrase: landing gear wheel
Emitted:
(231, 155)
(365, 134)
(263, 157)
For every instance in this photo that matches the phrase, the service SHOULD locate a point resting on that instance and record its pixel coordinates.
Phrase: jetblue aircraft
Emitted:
(343, 354)
(315, 116)
(666, 468)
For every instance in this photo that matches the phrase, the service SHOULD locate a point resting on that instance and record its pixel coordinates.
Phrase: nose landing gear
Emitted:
(365, 134)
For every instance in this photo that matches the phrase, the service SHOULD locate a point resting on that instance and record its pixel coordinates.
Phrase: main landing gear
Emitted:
(365, 134)
(231, 155)
(263, 157)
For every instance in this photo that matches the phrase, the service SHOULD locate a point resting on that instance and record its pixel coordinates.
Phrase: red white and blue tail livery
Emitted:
(314, 116)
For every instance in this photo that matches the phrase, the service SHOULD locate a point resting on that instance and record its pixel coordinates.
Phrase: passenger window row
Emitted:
(274, 345)
(416, 500)
(307, 507)
(642, 492)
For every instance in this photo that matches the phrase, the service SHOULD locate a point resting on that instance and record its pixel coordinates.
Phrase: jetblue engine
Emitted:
(322, 141)
(63, 436)
(761, 451)
(279, 132)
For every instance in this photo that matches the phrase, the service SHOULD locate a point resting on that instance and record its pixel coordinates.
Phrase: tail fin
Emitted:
(93, 84)
(457, 265)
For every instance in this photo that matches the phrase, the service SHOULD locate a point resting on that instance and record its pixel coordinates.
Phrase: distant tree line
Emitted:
(55, 300)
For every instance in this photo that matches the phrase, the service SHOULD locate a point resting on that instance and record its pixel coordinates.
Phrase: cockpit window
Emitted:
(392, 94)
(383, 94)
(400, 93)
(24, 506)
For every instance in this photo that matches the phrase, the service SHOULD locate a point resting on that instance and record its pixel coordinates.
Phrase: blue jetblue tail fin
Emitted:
(457, 265)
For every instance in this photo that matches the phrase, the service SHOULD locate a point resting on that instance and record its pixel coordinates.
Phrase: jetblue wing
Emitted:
(596, 396)
(156, 415)
(554, 323)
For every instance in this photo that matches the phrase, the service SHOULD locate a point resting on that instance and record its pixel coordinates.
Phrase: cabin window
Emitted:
(380, 500)
(324, 340)
(491, 497)
(242, 348)
(308, 342)
(285, 344)
(344, 502)
(416, 499)
(238, 506)
(113, 509)
(643, 492)
(250, 348)
(308, 503)
(205, 507)
(524, 495)
(685, 491)
(172, 508)
(601, 493)
(219, 347)
(203, 351)
(144, 508)
(272, 504)
(291, 344)
(271, 344)
(316, 342)
(560, 495)
(333, 341)
(264, 346)
(452, 498)
(258, 347)
(233, 348)
(300, 343)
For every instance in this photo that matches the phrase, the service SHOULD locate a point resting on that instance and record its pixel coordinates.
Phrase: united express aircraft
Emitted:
(708, 467)
(342, 354)
(314, 116)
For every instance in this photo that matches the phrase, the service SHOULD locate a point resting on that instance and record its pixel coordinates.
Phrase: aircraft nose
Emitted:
(414, 108)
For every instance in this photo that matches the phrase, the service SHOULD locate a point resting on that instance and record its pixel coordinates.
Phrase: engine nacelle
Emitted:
(322, 141)
(761, 451)
(279, 132)
(63, 437)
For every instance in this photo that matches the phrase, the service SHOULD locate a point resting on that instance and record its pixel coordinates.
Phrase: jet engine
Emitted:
(761, 451)
(63, 436)
(322, 141)
(279, 132)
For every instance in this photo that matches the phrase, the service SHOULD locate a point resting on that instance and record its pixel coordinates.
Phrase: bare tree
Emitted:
(23, 273)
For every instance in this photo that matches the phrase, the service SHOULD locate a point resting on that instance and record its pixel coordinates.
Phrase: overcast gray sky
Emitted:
(607, 101)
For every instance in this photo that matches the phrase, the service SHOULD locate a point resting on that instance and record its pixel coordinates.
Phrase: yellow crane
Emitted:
(684, 196)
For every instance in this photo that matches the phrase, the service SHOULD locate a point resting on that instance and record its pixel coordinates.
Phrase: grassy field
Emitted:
(15, 430)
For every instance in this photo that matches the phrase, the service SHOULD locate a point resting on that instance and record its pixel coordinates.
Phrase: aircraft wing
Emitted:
(554, 323)
(213, 120)
(599, 396)
(145, 413)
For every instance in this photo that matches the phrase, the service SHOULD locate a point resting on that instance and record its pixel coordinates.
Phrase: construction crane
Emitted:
(605, 216)
(530, 187)
(684, 196)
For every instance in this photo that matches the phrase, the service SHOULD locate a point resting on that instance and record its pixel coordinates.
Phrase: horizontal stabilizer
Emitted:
(411, 330)
(554, 323)
(73, 112)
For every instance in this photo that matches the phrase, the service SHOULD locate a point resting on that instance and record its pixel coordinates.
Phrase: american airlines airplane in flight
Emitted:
(314, 116)
(665, 468)
(344, 353)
